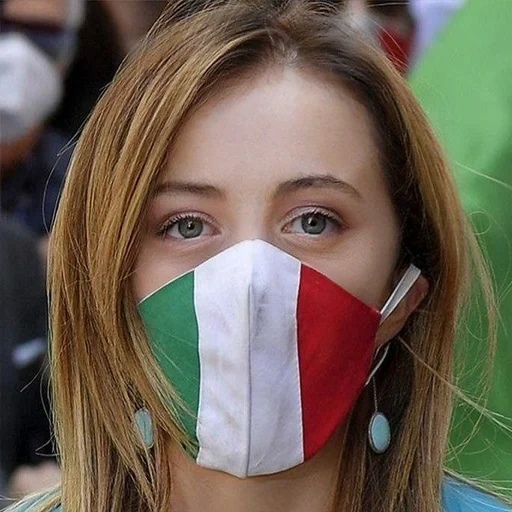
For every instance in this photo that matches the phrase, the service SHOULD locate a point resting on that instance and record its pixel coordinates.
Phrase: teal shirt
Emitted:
(461, 497)
(457, 497)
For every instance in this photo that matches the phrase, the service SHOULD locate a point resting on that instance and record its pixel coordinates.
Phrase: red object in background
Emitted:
(397, 45)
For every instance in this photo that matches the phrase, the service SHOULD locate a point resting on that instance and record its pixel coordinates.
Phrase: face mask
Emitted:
(30, 86)
(56, 41)
(268, 355)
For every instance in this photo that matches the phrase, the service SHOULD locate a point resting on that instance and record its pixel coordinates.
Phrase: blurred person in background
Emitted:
(37, 39)
(72, 49)
(25, 448)
(389, 24)
(37, 44)
(54, 60)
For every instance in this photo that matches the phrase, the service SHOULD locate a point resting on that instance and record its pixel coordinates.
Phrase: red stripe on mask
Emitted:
(336, 338)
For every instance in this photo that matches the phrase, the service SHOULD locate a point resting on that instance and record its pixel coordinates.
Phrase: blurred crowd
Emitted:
(56, 56)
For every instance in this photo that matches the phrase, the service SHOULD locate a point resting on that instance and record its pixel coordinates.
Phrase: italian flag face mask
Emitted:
(268, 355)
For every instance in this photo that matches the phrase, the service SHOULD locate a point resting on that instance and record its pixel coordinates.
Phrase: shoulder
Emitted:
(461, 497)
(34, 505)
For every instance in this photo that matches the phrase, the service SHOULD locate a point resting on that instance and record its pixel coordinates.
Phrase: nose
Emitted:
(251, 222)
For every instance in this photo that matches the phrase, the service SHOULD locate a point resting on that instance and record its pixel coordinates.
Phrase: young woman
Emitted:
(257, 271)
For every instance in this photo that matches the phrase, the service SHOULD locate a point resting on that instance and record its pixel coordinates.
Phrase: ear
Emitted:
(396, 321)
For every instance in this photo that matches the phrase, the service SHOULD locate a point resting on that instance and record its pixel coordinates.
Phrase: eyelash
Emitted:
(175, 219)
(329, 215)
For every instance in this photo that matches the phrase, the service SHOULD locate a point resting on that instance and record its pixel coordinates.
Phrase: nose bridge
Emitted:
(250, 221)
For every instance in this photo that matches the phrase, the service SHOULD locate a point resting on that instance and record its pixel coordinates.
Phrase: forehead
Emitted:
(274, 127)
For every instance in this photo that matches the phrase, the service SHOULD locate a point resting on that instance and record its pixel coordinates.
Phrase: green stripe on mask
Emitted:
(171, 323)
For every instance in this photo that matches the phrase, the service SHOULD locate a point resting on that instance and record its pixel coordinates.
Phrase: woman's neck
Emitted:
(309, 487)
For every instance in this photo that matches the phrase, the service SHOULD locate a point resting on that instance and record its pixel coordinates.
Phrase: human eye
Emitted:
(187, 226)
(314, 222)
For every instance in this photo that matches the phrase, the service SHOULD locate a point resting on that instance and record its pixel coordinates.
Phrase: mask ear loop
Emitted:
(379, 430)
(403, 287)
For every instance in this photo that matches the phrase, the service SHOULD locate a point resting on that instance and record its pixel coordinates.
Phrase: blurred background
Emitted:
(56, 57)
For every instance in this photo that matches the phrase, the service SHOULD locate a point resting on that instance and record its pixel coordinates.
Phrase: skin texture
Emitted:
(232, 169)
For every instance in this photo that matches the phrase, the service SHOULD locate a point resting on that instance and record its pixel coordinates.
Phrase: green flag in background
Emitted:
(464, 83)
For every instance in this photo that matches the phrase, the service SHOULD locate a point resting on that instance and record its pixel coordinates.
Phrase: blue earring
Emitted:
(144, 427)
(379, 430)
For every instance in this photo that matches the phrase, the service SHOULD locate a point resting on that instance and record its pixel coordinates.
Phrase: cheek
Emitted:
(366, 264)
(154, 268)
(146, 276)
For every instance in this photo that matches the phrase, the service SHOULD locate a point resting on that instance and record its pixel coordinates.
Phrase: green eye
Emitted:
(313, 223)
(190, 228)
(186, 227)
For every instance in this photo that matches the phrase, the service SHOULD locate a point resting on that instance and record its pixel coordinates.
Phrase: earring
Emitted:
(379, 430)
(144, 427)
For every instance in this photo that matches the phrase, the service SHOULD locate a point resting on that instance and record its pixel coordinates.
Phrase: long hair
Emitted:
(102, 366)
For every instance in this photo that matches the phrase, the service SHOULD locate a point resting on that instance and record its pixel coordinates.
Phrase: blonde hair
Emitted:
(102, 366)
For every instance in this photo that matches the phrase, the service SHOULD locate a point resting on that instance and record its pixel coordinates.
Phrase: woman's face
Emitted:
(288, 158)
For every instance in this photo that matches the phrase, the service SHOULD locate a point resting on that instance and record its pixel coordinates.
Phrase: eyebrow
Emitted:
(188, 187)
(316, 181)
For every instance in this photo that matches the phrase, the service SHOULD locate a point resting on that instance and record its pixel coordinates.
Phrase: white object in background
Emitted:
(29, 352)
(30, 86)
(431, 17)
